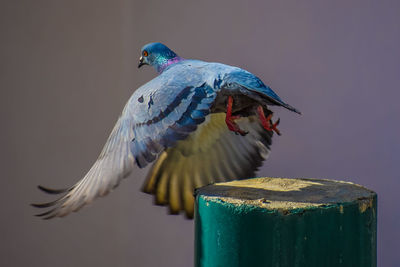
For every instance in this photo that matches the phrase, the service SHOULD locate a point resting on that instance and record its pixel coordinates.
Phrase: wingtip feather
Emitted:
(44, 214)
(53, 191)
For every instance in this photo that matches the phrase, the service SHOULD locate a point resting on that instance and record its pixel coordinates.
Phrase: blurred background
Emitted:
(68, 67)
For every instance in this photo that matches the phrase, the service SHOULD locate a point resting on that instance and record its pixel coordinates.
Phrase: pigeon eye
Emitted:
(145, 54)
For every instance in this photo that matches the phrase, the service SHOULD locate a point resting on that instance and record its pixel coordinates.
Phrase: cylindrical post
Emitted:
(285, 222)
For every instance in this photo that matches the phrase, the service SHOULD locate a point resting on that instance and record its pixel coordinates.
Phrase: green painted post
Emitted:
(285, 222)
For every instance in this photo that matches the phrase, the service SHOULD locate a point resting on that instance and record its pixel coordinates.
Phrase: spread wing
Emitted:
(211, 154)
(158, 114)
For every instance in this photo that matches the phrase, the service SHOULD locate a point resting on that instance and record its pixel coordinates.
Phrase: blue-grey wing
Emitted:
(252, 86)
(157, 115)
(174, 121)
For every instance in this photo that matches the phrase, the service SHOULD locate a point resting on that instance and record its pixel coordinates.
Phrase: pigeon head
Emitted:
(158, 56)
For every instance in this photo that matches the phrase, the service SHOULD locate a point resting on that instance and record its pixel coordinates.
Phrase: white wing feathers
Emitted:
(114, 163)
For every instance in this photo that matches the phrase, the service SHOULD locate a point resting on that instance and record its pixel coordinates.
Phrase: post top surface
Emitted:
(287, 194)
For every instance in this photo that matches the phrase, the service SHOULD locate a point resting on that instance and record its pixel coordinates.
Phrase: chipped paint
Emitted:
(364, 204)
(276, 184)
(289, 196)
(282, 206)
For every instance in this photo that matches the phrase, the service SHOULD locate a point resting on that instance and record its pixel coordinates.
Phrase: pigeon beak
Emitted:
(141, 62)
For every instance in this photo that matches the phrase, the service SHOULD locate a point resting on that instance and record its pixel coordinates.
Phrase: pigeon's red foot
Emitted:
(229, 120)
(266, 121)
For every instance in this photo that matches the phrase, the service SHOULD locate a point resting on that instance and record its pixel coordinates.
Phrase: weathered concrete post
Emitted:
(285, 222)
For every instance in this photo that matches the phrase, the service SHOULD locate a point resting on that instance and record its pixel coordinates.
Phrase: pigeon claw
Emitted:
(234, 127)
(230, 120)
(276, 123)
(267, 122)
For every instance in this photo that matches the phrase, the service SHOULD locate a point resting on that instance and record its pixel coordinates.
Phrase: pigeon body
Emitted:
(178, 120)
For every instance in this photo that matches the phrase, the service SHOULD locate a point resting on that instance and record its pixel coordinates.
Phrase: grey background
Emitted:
(68, 67)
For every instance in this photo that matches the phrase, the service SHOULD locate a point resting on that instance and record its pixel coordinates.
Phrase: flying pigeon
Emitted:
(200, 122)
